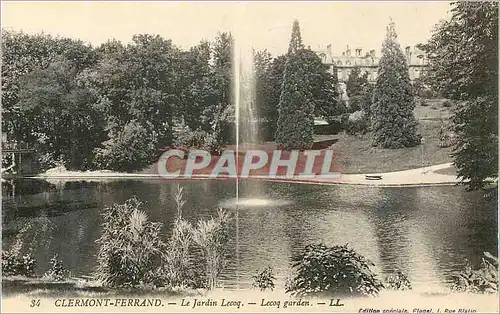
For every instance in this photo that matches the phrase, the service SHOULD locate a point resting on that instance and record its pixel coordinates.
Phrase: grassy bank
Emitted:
(355, 153)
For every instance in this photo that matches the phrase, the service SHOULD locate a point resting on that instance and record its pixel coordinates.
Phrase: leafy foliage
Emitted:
(78, 104)
(337, 270)
(269, 81)
(358, 123)
(447, 137)
(51, 109)
(481, 280)
(463, 55)
(356, 82)
(23, 53)
(130, 252)
(212, 237)
(179, 267)
(321, 85)
(398, 281)
(264, 279)
(393, 123)
(18, 265)
(130, 148)
(56, 272)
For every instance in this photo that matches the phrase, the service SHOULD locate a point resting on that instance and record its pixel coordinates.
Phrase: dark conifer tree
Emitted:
(393, 122)
(295, 109)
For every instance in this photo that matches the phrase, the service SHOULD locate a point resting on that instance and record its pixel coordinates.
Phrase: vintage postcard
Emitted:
(193, 157)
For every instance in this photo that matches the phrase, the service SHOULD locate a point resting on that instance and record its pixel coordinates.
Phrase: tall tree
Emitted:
(61, 122)
(267, 109)
(356, 82)
(197, 90)
(393, 122)
(222, 109)
(321, 85)
(295, 121)
(463, 65)
(23, 53)
(268, 94)
(359, 90)
(137, 87)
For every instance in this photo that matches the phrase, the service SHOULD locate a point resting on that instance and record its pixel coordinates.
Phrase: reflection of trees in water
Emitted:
(460, 225)
(264, 240)
(34, 233)
(392, 221)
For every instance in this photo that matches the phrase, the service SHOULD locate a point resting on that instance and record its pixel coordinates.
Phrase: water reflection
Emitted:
(426, 232)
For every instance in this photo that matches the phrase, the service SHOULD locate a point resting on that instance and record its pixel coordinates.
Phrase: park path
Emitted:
(413, 177)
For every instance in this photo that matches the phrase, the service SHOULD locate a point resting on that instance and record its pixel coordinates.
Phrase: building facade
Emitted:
(368, 61)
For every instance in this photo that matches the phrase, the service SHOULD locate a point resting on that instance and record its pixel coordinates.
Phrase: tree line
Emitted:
(116, 105)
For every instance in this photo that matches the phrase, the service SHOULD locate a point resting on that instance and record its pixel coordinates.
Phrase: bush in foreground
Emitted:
(133, 253)
(56, 272)
(398, 281)
(337, 270)
(481, 280)
(18, 265)
(264, 279)
(212, 237)
(179, 266)
(131, 248)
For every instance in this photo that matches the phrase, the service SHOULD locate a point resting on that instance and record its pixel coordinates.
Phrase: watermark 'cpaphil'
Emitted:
(274, 164)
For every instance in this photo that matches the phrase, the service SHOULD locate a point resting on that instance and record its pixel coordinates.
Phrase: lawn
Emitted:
(355, 154)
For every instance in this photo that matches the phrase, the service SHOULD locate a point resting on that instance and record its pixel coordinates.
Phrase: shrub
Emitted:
(131, 249)
(128, 149)
(362, 101)
(447, 137)
(358, 123)
(178, 260)
(184, 136)
(481, 280)
(212, 237)
(264, 279)
(398, 281)
(355, 103)
(336, 270)
(14, 264)
(199, 138)
(56, 271)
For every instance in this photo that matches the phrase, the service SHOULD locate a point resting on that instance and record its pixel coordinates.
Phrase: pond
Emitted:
(426, 232)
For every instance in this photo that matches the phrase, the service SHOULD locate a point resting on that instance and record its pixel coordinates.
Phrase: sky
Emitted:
(263, 25)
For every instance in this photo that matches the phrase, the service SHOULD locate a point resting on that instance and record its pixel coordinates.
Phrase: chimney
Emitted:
(358, 52)
(372, 53)
(348, 51)
(407, 51)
